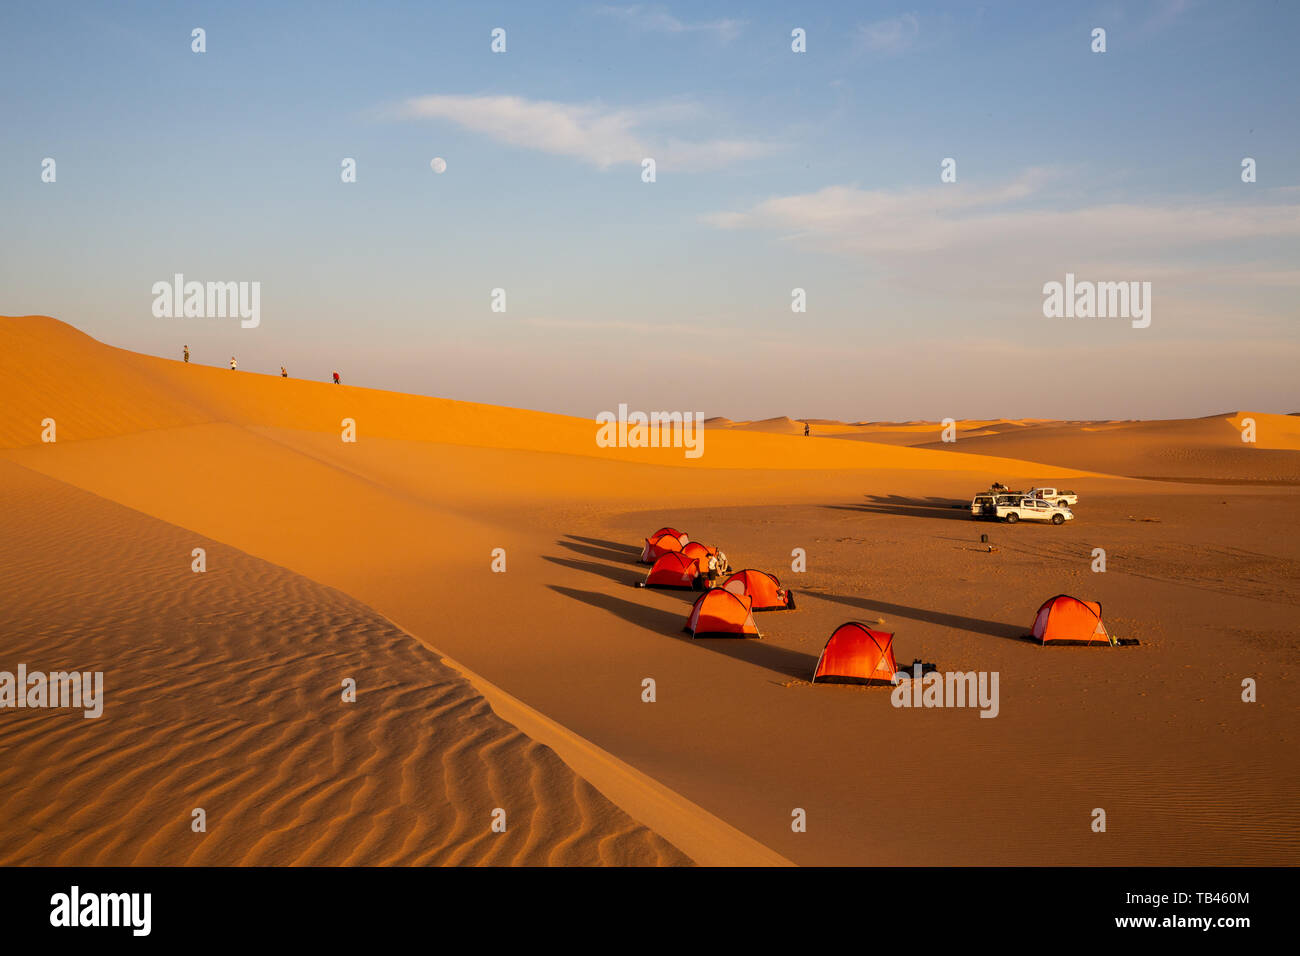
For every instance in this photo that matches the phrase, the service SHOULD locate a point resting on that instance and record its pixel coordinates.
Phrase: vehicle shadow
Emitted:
(670, 624)
(1010, 632)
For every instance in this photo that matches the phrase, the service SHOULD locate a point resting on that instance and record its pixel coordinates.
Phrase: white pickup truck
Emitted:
(1062, 498)
(985, 504)
(1032, 509)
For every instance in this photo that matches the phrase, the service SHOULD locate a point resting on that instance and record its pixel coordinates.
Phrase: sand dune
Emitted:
(1209, 448)
(406, 519)
(223, 692)
(94, 391)
(1200, 448)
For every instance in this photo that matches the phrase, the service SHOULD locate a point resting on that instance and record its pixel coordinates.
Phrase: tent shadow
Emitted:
(623, 575)
(603, 553)
(1010, 632)
(641, 614)
(943, 508)
(620, 547)
(789, 663)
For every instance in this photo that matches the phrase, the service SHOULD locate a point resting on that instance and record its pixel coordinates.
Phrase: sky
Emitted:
(775, 170)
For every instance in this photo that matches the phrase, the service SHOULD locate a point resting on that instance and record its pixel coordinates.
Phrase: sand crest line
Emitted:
(707, 839)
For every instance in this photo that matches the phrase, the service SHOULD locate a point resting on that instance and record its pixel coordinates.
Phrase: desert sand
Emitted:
(375, 556)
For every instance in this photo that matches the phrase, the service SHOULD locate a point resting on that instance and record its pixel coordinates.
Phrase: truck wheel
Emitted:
(1012, 518)
(1063, 503)
(1058, 519)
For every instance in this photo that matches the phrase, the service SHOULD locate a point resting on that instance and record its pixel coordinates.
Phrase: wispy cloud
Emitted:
(924, 220)
(1001, 241)
(592, 133)
(655, 18)
(891, 35)
(701, 328)
(1167, 12)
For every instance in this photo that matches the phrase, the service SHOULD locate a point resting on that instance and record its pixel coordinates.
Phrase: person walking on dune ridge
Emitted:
(336, 378)
(283, 372)
(186, 352)
(233, 364)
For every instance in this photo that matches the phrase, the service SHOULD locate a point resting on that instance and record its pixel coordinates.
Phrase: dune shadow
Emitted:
(784, 661)
(932, 507)
(1011, 632)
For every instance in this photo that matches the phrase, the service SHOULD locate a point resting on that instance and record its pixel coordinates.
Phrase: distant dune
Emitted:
(1208, 448)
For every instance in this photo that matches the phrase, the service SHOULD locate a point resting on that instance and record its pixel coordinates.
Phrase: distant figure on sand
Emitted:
(187, 353)
(336, 378)
(283, 373)
(806, 430)
(233, 364)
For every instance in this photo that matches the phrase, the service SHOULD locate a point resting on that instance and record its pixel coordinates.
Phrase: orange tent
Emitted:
(764, 588)
(855, 654)
(719, 613)
(658, 545)
(1067, 620)
(680, 535)
(701, 554)
(673, 570)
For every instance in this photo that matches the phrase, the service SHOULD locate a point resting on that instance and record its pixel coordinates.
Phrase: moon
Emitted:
(438, 164)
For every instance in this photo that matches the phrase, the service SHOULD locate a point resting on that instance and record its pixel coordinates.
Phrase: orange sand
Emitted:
(405, 521)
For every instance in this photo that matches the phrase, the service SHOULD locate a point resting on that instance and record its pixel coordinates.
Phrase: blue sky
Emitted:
(775, 170)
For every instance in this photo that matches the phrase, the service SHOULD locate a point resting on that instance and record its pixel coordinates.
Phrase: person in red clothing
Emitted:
(336, 378)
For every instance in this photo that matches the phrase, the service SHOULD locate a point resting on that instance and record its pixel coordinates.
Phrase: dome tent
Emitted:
(657, 545)
(855, 654)
(681, 535)
(673, 570)
(700, 553)
(764, 588)
(1068, 620)
(719, 613)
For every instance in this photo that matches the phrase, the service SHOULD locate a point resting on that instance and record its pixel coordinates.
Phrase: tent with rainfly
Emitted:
(657, 545)
(1068, 620)
(720, 613)
(764, 588)
(855, 654)
(681, 535)
(700, 553)
(673, 570)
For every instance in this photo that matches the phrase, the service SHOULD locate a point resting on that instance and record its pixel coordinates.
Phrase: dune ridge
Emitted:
(115, 392)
